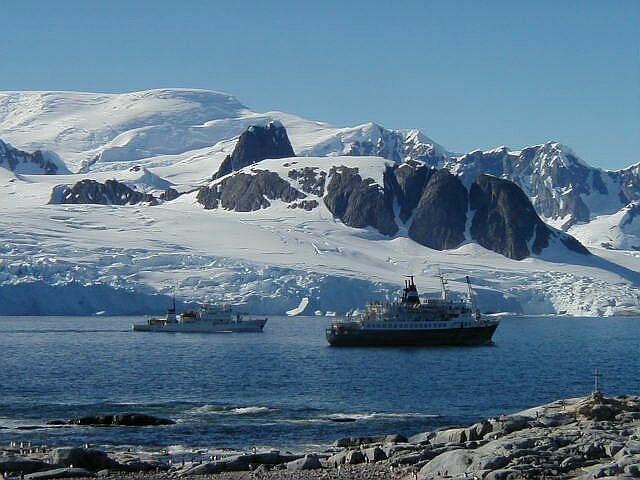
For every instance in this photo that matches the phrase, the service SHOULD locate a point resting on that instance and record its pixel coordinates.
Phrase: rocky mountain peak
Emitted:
(255, 144)
(38, 162)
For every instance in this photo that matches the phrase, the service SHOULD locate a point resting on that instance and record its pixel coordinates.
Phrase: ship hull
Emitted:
(253, 325)
(470, 336)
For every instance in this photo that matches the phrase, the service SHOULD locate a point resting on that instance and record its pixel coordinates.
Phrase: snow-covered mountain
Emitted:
(564, 190)
(266, 245)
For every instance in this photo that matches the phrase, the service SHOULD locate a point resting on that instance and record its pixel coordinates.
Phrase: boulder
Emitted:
(453, 435)
(88, 458)
(21, 464)
(374, 454)
(395, 438)
(478, 430)
(354, 457)
(505, 474)
(603, 412)
(308, 462)
(460, 462)
(169, 194)
(59, 473)
(510, 423)
(346, 442)
(572, 462)
(139, 420)
(421, 438)
(633, 470)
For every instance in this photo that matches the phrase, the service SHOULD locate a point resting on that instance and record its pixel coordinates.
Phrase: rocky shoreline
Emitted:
(587, 437)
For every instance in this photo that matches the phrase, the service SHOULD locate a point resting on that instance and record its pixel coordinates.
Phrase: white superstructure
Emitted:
(209, 319)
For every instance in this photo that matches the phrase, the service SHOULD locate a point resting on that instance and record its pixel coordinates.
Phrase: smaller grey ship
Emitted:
(209, 319)
(415, 322)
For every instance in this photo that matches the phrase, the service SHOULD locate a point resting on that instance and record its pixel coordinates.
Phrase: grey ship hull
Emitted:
(252, 325)
(357, 337)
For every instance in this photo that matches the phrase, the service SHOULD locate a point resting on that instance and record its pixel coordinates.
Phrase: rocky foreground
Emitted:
(592, 437)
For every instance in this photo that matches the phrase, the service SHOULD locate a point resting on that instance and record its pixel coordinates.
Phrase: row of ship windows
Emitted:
(405, 325)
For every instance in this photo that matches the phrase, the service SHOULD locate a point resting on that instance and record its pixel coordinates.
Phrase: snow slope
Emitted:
(127, 259)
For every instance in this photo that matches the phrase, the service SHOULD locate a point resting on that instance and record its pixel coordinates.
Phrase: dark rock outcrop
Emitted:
(504, 219)
(506, 222)
(36, 162)
(169, 194)
(122, 419)
(311, 181)
(248, 192)
(307, 205)
(110, 192)
(257, 143)
(361, 203)
(411, 178)
(440, 217)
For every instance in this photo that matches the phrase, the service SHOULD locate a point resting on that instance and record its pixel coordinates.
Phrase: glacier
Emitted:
(85, 259)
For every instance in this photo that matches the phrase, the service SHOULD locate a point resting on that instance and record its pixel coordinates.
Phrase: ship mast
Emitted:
(443, 284)
(472, 299)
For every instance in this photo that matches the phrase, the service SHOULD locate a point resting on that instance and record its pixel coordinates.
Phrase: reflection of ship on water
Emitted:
(210, 318)
(415, 322)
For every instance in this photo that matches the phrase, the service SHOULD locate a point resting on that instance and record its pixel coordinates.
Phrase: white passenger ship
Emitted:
(209, 319)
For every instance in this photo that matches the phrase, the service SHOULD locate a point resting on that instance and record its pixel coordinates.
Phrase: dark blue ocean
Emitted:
(286, 387)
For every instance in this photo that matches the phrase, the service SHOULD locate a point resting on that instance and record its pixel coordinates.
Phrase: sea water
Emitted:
(286, 387)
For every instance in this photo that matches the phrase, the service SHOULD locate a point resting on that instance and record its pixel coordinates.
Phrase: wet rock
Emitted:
(124, 419)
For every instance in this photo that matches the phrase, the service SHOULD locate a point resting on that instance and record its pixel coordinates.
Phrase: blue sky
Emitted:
(470, 74)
